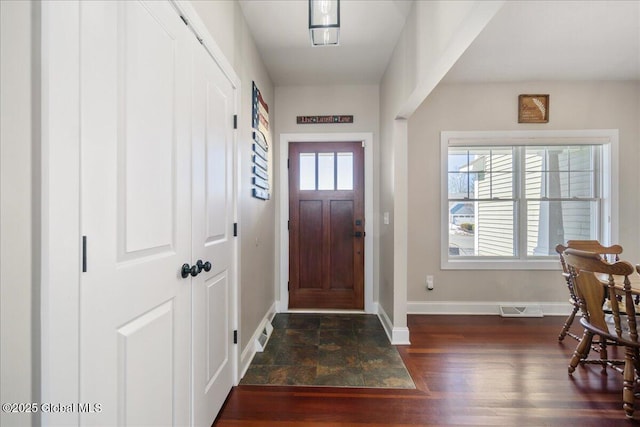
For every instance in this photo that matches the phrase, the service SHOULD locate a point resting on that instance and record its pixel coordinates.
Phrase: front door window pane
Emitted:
(307, 171)
(345, 171)
(326, 174)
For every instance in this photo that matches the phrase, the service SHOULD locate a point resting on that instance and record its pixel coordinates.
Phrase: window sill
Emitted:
(501, 264)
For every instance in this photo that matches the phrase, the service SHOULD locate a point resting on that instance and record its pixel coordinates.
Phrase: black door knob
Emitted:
(189, 270)
(206, 266)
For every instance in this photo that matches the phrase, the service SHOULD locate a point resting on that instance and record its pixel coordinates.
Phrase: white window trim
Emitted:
(608, 138)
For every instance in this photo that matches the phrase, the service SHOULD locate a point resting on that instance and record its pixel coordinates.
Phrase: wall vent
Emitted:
(520, 311)
(261, 341)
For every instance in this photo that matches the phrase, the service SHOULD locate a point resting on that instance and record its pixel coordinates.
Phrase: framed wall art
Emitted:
(533, 109)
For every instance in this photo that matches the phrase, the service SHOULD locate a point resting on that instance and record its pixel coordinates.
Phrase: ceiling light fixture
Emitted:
(324, 22)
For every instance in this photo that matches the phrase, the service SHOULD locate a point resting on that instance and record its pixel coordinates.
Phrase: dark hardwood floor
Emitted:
(469, 371)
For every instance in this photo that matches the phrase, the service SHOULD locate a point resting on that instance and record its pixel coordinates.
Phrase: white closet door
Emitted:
(212, 133)
(135, 332)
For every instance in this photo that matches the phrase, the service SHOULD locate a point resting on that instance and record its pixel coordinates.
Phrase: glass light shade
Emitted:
(324, 22)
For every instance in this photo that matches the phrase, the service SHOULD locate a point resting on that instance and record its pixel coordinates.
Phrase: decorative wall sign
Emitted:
(260, 148)
(533, 109)
(307, 120)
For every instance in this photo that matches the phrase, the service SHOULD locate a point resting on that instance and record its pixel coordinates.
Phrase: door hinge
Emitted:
(84, 254)
(235, 121)
(288, 225)
(235, 229)
(235, 336)
(184, 20)
(362, 144)
(287, 163)
(288, 286)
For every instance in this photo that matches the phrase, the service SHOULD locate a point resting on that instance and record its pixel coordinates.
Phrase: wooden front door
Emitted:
(326, 225)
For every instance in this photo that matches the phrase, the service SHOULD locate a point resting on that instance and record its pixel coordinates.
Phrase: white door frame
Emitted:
(283, 188)
(60, 208)
(61, 247)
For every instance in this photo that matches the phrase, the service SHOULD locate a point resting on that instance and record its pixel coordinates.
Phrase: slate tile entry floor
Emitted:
(338, 350)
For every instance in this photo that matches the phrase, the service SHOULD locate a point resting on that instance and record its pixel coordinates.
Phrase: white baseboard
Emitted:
(397, 336)
(400, 336)
(386, 322)
(250, 350)
(482, 308)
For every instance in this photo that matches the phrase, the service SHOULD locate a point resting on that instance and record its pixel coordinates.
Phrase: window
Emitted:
(326, 171)
(510, 197)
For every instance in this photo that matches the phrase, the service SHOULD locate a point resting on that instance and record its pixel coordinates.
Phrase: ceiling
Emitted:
(369, 30)
(526, 40)
(563, 40)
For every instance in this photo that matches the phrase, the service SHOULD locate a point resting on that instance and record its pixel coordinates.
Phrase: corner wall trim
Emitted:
(396, 335)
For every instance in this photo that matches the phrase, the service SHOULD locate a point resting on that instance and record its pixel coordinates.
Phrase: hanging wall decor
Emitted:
(533, 109)
(309, 120)
(260, 154)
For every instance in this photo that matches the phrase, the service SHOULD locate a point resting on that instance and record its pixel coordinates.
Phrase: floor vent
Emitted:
(520, 311)
(261, 341)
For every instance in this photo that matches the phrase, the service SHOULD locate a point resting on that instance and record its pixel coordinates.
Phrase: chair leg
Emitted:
(628, 396)
(603, 354)
(581, 351)
(567, 323)
(636, 363)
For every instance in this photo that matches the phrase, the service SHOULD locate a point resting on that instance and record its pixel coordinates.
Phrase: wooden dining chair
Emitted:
(620, 327)
(609, 253)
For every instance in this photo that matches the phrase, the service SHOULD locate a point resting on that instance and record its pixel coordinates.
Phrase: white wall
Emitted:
(361, 101)
(221, 17)
(16, 262)
(435, 36)
(574, 105)
(225, 22)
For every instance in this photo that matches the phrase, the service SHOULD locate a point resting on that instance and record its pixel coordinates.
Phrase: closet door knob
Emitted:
(206, 266)
(189, 270)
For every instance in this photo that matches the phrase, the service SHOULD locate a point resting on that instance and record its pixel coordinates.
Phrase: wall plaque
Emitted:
(533, 109)
(308, 120)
